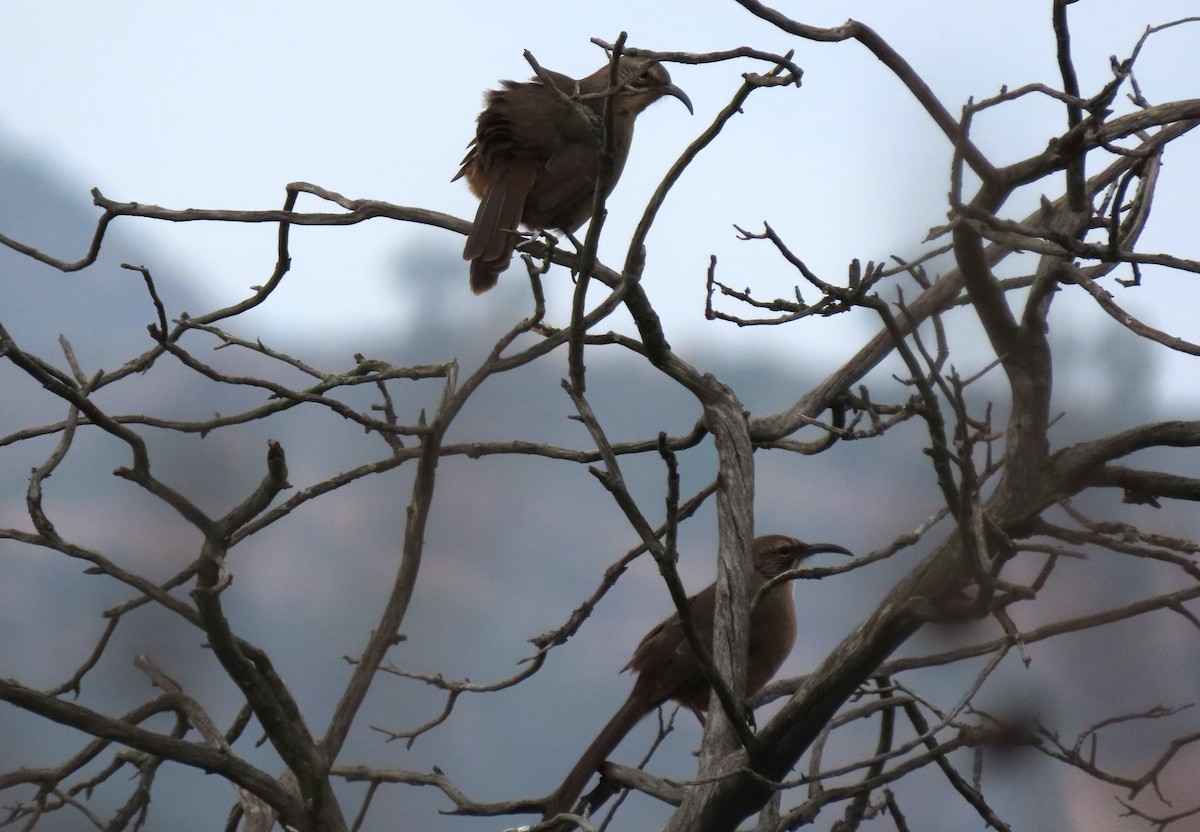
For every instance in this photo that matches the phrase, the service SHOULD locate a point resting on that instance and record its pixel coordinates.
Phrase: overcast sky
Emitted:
(219, 105)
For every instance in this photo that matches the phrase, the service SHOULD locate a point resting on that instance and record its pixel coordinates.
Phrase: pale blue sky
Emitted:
(220, 104)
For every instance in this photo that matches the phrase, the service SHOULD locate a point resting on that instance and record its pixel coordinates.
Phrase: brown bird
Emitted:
(535, 157)
(667, 669)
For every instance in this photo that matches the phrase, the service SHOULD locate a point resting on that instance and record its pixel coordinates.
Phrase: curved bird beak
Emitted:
(673, 90)
(817, 548)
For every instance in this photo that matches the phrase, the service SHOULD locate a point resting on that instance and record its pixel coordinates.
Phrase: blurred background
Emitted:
(222, 105)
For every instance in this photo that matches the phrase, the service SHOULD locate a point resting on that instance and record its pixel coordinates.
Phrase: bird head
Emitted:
(640, 82)
(775, 554)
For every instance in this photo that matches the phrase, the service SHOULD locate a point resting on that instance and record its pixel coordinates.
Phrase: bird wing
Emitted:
(664, 662)
(531, 121)
(562, 194)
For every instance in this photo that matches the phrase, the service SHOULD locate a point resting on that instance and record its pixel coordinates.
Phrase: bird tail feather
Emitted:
(610, 736)
(490, 244)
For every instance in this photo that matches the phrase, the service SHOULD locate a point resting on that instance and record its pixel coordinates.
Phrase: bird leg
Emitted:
(550, 242)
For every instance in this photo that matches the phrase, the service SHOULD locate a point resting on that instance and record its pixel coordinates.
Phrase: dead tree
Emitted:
(1007, 488)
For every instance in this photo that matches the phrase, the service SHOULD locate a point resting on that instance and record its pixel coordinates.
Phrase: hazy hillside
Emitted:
(498, 568)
